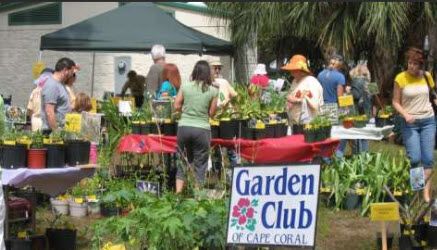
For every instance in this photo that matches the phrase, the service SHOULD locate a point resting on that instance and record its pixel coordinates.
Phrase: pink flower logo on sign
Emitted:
(243, 214)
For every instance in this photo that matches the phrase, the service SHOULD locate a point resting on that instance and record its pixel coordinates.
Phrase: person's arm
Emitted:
(51, 118)
(213, 107)
(30, 104)
(396, 102)
(179, 101)
(340, 90)
(125, 87)
(292, 99)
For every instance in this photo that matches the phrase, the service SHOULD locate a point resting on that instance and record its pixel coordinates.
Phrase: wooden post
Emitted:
(383, 236)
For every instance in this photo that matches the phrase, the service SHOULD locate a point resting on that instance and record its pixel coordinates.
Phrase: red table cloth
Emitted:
(272, 150)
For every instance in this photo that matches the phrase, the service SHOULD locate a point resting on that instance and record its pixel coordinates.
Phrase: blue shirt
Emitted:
(167, 87)
(330, 79)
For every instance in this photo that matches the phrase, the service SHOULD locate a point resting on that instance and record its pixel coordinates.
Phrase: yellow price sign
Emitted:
(93, 105)
(386, 211)
(115, 100)
(344, 101)
(73, 122)
(37, 67)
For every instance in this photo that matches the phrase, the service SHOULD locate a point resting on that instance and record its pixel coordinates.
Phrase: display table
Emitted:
(272, 150)
(370, 132)
(51, 181)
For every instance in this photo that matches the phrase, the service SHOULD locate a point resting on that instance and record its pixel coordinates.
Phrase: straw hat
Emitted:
(297, 62)
(260, 69)
(215, 63)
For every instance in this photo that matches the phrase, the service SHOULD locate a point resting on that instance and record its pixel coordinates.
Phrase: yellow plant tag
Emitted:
(167, 121)
(9, 142)
(78, 200)
(260, 125)
(22, 234)
(344, 101)
(214, 122)
(397, 193)
(46, 140)
(273, 122)
(325, 190)
(115, 100)
(73, 122)
(360, 191)
(91, 198)
(386, 211)
(110, 246)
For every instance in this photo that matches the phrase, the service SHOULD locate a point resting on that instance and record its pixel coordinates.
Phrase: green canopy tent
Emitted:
(134, 27)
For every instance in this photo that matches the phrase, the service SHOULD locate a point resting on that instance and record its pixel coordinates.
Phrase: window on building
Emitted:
(47, 14)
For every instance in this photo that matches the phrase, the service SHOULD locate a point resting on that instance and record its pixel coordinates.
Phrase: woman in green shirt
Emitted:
(197, 99)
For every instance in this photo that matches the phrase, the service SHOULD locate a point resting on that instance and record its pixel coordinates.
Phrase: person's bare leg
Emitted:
(427, 191)
(179, 185)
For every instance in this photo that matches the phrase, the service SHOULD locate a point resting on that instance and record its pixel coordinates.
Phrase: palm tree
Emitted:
(378, 29)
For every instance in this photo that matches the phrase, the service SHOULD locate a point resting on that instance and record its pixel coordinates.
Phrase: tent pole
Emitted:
(92, 74)
(232, 70)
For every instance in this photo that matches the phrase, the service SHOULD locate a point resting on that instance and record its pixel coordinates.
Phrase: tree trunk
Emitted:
(382, 65)
(246, 59)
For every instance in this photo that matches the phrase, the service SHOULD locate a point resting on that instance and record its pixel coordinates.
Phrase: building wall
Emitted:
(19, 49)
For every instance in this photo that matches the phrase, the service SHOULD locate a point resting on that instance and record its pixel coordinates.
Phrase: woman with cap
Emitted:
(306, 94)
(34, 104)
(411, 99)
(260, 77)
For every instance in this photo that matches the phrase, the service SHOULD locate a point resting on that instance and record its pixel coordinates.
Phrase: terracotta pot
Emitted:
(36, 157)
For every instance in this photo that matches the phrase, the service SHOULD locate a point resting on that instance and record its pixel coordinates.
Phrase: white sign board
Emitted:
(274, 205)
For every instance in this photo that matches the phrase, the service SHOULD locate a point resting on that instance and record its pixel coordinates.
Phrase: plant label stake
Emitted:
(387, 211)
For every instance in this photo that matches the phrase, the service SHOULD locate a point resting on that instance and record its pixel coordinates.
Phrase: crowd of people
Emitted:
(198, 99)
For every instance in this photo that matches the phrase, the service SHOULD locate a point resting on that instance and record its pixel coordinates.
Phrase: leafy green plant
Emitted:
(37, 140)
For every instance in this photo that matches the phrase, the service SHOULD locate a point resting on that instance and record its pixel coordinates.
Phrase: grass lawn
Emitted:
(335, 229)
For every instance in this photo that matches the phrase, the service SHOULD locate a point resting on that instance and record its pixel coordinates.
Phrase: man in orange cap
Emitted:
(306, 93)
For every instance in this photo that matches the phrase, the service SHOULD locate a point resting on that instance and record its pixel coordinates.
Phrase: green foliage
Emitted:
(368, 171)
(37, 140)
(169, 222)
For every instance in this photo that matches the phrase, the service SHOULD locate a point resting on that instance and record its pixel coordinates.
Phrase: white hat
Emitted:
(260, 69)
(216, 63)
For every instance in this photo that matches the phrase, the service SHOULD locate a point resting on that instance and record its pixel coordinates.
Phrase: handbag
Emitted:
(432, 94)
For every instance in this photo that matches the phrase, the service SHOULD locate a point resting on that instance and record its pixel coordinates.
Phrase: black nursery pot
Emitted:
(297, 129)
(61, 239)
(108, 210)
(281, 130)
(239, 132)
(145, 128)
(136, 128)
(228, 129)
(19, 244)
(381, 122)
(168, 129)
(352, 201)
(270, 130)
(247, 133)
(77, 152)
(215, 131)
(14, 156)
(431, 234)
(55, 155)
(153, 128)
(259, 134)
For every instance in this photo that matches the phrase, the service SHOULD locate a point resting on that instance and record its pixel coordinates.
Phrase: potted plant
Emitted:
(36, 155)
(77, 203)
(136, 119)
(55, 150)
(360, 121)
(60, 204)
(384, 117)
(61, 233)
(14, 148)
(77, 150)
(348, 122)
(26, 240)
(214, 128)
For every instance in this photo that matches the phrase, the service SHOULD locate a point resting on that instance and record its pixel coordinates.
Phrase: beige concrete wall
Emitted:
(19, 49)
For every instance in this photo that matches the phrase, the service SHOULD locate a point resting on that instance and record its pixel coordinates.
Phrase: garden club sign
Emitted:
(274, 205)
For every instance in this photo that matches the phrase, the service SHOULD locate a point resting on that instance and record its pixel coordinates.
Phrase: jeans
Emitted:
(419, 141)
(194, 144)
(359, 146)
